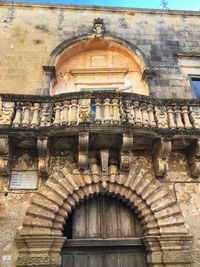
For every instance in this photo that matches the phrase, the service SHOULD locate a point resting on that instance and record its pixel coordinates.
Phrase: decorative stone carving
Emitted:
(39, 250)
(127, 112)
(83, 150)
(7, 112)
(195, 116)
(84, 110)
(45, 115)
(43, 156)
(161, 153)
(4, 155)
(125, 155)
(104, 153)
(194, 158)
(161, 117)
(98, 28)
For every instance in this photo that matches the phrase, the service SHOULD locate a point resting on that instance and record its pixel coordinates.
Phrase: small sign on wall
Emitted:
(24, 180)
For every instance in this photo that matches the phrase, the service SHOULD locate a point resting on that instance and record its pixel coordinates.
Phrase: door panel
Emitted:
(105, 233)
(103, 217)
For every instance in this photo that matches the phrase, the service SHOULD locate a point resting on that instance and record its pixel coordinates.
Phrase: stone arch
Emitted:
(87, 62)
(156, 208)
(84, 39)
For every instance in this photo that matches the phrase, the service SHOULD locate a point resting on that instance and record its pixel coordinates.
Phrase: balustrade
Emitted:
(98, 109)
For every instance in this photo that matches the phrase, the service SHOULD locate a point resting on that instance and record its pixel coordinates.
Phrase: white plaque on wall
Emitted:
(24, 180)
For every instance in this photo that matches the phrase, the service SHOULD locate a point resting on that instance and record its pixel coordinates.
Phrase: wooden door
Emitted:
(104, 233)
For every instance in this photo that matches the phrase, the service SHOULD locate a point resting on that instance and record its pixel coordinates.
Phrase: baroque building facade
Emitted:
(99, 136)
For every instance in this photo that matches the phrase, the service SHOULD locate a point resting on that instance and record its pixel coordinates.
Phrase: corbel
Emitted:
(104, 154)
(148, 74)
(43, 156)
(125, 154)
(194, 158)
(83, 143)
(161, 153)
(4, 155)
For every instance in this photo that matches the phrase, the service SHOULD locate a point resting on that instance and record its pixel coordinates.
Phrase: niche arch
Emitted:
(91, 63)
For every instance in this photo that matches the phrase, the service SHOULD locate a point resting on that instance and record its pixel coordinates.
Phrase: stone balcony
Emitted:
(107, 122)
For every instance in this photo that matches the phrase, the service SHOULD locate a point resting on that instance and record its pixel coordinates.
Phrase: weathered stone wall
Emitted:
(29, 33)
(186, 190)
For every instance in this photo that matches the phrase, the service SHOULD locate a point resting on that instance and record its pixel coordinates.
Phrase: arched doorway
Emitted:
(103, 232)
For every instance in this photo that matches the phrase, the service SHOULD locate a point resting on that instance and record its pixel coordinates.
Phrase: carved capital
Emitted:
(43, 156)
(83, 140)
(4, 155)
(125, 155)
(194, 158)
(161, 153)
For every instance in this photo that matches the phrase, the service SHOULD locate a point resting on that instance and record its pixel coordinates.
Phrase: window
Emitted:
(195, 83)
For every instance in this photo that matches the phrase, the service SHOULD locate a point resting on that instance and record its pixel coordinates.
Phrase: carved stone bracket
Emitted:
(104, 153)
(148, 74)
(194, 158)
(161, 153)
(125, 155)
(43, 156)
(4, 155)
(83, 140)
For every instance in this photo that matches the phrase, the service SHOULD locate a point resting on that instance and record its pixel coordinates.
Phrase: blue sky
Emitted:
(172, 4)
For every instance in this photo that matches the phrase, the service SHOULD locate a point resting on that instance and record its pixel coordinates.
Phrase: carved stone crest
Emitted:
(98, 28)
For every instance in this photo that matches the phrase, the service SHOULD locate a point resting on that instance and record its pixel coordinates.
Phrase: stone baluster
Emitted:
(171, 123)
(138, 114)
(106, 105)
(26, 119)
(115, 106)
(186, 118)
(179, 123)
(18, 116)
(65, 112)
(57, 110)
(150, 111)
(74, 110)
(145, 116)
(35, 120)
(98, 116)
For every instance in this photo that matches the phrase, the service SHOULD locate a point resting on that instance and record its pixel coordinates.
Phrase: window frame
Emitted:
(191, 77)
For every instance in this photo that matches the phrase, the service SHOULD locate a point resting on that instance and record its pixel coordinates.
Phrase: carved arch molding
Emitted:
(166, 237)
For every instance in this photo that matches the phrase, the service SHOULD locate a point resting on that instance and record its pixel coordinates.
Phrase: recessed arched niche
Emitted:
(99, 64)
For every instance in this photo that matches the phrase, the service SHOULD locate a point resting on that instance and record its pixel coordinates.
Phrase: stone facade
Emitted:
(141, 146)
